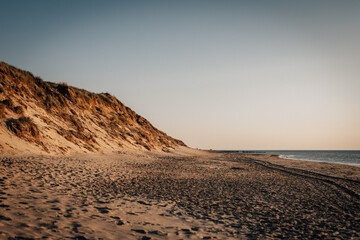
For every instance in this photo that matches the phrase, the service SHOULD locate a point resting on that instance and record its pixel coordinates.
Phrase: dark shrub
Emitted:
(18, 110)
(8, 103)
(24, 127)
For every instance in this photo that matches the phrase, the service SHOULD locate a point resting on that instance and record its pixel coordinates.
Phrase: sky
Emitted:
(224, 74)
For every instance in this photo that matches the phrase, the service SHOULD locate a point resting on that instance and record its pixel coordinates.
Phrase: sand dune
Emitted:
(53, 118)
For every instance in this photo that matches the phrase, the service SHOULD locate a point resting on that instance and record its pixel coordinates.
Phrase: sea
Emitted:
(342, 157)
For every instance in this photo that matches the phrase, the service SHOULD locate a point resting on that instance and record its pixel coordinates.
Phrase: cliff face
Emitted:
(56, 118)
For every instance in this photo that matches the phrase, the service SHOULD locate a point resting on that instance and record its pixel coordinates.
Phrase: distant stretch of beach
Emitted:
(181, 195)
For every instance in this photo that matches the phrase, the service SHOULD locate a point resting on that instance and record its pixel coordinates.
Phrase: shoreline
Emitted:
(320, 161)
(283, 156)
(185, 195)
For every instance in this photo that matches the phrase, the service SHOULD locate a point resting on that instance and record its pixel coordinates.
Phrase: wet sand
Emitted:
(177, 196)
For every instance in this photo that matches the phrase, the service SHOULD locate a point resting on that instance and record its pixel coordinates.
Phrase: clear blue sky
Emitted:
(216, 74)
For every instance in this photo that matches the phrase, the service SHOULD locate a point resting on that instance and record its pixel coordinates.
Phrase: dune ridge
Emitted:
(45, 117)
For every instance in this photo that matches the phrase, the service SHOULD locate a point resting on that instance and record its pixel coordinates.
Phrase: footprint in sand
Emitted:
(4, 218)
(156, 232)
(23, 225)
(75, 226)
(120, 223)
(144, 203)
(187, 231)
(139, 231)
(131, 213)
(103, 209)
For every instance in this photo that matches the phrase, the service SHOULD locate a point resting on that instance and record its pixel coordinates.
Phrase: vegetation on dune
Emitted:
(24, 127)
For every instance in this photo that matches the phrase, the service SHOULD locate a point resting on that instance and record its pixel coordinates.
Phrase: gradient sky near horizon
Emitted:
(216, 74)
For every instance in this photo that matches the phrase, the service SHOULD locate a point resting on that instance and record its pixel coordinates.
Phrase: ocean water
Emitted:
(343, 157)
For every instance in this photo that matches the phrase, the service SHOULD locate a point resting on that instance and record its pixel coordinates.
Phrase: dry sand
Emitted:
(187, 195)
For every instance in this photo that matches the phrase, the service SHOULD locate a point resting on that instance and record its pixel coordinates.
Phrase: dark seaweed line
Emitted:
(307, 172)
(315, 176)
(318, 174)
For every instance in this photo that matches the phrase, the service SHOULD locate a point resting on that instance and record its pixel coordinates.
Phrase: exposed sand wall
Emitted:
(64, 119)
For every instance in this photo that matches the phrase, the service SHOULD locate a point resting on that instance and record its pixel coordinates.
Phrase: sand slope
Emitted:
(44, 117)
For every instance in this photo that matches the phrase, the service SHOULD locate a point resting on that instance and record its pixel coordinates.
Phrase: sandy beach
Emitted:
(184, 195)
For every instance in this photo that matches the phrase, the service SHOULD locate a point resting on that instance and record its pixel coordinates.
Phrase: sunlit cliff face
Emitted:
(61, 118)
